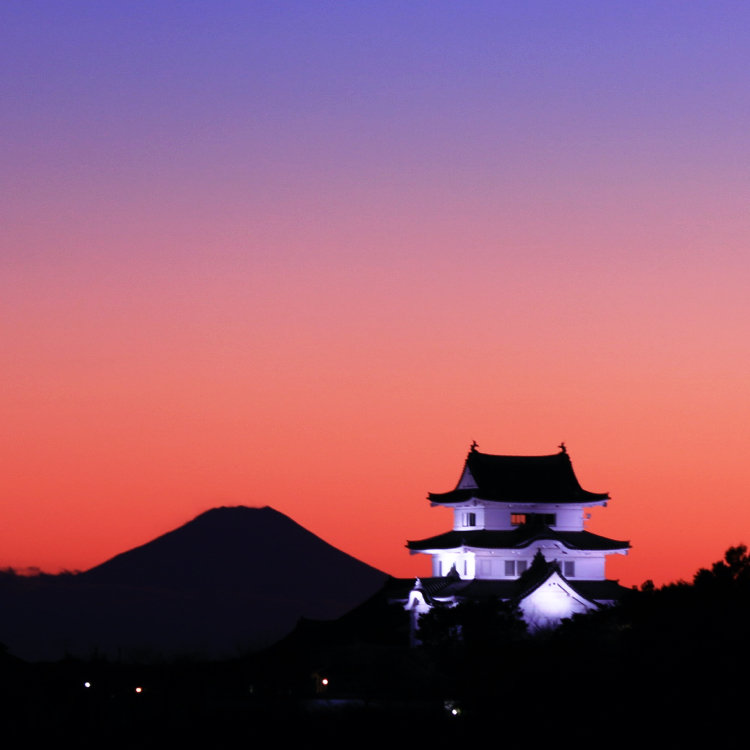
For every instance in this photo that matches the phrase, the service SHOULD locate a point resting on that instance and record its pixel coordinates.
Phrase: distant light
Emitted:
(324, 681)
(452, 708)
(139, 690)
(87, 684)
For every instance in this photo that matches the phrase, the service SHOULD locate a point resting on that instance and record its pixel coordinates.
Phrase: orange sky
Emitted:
(304, 259)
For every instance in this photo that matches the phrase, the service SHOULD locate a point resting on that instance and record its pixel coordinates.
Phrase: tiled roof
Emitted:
(521, 479)
(517, 538)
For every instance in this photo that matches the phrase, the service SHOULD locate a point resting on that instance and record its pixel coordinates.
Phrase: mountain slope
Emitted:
(238, 549)
(230, 580)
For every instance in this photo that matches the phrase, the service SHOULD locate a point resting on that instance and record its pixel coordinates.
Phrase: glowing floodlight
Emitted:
(452, 708)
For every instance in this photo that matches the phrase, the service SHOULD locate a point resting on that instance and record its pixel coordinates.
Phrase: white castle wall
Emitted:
(498, 517)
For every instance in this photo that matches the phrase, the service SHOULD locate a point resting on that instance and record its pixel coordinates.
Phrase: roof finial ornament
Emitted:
(474, 446)
(562, 448)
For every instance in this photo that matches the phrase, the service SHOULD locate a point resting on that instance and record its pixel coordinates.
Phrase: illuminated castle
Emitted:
(507, 510)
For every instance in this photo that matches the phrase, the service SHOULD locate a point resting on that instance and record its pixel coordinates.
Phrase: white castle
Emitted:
(506, 511)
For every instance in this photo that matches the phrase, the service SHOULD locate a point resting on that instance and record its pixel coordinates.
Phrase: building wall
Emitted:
(499, 516)
(506, 564)
(465, 563)
(509, 564)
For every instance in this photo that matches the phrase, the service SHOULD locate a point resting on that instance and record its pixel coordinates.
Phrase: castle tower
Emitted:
(506, 511)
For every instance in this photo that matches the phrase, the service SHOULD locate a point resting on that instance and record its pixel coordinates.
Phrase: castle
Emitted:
(507, 511)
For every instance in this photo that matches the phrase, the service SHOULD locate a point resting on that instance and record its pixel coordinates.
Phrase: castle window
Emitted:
(470, 519)
(515, 567)
(547, 519)
(569, 568)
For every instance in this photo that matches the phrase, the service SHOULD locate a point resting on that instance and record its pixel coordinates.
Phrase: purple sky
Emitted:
(301, 254)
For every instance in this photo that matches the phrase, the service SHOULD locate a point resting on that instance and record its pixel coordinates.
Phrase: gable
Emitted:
(551, 602)
(467, 481)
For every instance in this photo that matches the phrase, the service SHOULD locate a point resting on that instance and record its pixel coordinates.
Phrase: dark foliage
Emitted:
(667, 665)
(730, 575)
(477, 624)
(536, 570)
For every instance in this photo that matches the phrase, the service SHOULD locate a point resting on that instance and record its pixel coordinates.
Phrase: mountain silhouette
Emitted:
(229, 581)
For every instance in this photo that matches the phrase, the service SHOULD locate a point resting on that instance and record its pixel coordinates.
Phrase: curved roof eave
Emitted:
(519, 538)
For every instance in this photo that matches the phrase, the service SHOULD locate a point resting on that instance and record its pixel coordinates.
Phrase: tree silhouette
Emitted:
(473, 623)
(731, 572)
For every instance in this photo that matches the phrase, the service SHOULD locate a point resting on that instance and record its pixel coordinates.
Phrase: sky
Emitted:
(301, 254)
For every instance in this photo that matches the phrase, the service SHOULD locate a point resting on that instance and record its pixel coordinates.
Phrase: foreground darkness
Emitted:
(670, 665)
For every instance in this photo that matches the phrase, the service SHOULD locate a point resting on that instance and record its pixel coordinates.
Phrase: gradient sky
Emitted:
(301, 254)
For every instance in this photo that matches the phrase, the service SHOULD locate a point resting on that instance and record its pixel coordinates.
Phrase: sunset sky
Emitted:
(301, 254)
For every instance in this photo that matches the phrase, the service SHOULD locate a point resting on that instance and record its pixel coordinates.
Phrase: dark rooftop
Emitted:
(519, 479)
(517, 538)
